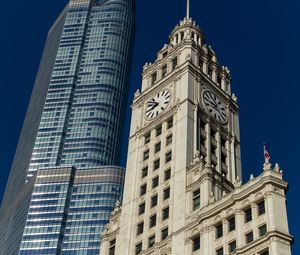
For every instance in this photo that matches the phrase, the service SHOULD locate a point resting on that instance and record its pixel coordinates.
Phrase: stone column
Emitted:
(197, 59)
(196, 131)
(188, 246)
(214, 69)
(212, 239)
(254, 220)
(225, 236)
(206, 187)
(230, 175)
(204, 241)
(232, 155)
(205, 63)
(223, 79)
(239, 226)
(270, 211)
(104, 245)
(279, 246)
(219, 151)
(208, 145)
(195, 37)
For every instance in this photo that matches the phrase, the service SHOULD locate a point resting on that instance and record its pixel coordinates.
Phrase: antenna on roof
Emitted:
(187, 9)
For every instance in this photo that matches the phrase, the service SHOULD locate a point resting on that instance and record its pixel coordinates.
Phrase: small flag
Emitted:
(266, 154)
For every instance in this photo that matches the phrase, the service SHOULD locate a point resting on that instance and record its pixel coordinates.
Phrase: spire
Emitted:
(187, 9)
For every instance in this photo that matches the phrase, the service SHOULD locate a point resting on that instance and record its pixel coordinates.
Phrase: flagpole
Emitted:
(267, 155)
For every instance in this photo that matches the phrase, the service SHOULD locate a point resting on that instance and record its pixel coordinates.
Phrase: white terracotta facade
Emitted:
(183, 194)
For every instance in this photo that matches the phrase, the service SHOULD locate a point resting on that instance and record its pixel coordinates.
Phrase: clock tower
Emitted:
(183, 179)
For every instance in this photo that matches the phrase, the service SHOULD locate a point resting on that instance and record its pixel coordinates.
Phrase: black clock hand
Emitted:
(153, 107)
(152, 103)
(212, 102)
(155, 104)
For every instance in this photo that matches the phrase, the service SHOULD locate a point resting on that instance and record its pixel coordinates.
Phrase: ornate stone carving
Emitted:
(238, 182)
(267, 166)
(117, 209)
(137, 94)
(166, 250)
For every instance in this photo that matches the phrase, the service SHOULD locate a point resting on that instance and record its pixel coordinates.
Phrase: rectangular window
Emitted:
(169, 140)
(164, 233)
(223, 142)
(261, 208)
(158, 131)
(142, 208)
(168, 157)
(157, 147)
(164, 71)
(213, 133)
(153, 78)
(174, 63)
(165, 213)
(144, 171)
(213, 150)
(152, 221)
(220, 251)
(231, 224)
(196, 199)
(167, 174)
(262, 230)
(219, 230)
(201, 63)
(181, 36)
(151, 241)
(249, 237)
(265, 253)
(138, 248)
(203, 125)
(219, 80)
(248, 215)
(143, 190)
(155, 182)
(154, 201)
(209, 71)
(232, 246)
(169, 123)
(166, 193)
(112, 247)
(146, 155)
(140, 228)
(223, 158)
(147, 138)
(156, 164)
(196, 243)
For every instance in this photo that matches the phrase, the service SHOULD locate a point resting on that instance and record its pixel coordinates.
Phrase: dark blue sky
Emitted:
(257, 39)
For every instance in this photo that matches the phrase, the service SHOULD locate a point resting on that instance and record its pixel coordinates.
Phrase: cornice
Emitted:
(263, 242)
(238, 195)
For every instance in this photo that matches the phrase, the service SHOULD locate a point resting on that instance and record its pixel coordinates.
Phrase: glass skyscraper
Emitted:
(69, 209)
(64, 180)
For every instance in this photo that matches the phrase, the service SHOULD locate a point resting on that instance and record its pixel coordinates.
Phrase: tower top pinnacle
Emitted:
(187, 9)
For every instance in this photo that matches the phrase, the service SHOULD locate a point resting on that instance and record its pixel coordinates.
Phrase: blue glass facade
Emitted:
(75, 121)
(82, 116)
(69, 209)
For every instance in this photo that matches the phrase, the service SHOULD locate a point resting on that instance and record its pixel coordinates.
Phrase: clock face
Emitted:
(215, 106)
(157, 104)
